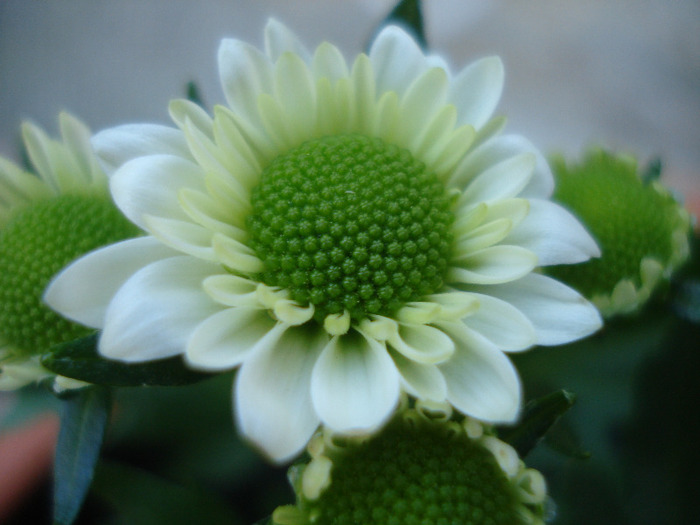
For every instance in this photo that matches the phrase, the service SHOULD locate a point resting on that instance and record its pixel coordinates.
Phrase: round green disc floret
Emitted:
(351, 223)
(629, 219)
(414, 475)
(35, 244)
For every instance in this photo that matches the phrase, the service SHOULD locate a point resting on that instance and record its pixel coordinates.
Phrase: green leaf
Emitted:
(686, 300)
(538, 417)
(83, 422)
(407, 14)
(652, 172)
(141, 498)
(79, 359)
(193, 94)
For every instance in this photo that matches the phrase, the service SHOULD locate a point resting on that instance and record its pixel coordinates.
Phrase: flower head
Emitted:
(643, 232)
(421, 468)
(47, 219)
(342, 232)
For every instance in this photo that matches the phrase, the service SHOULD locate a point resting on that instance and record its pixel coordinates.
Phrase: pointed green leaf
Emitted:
(193, 94)
(538, 417)
(142, 498)
(83, 422)
(79, 359)
(652, 171)
(408, 15)
(686, 300)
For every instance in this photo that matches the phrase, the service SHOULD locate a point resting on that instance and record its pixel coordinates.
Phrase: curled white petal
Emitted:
(115, 146)
(272, 395)
(225, 339)
(558, 313)
(355, 384)
(150, 185)
(82, 290)
(156, 310)
(477, 89)
(481, 381)
(554, 234)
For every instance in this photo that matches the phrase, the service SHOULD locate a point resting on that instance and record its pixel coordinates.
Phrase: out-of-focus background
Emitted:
(624, 74)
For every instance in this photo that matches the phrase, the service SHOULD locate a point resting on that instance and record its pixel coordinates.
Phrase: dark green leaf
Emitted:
(407, 14)
(83, 422)
(141, 498)
(686, 300)
(79, 359)
(538, 417)
(685, 290)
(193, 94)
(652, 171)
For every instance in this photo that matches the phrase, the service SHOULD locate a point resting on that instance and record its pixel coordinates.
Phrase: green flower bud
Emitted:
(46, 221)
(423, 468)
(641, 229)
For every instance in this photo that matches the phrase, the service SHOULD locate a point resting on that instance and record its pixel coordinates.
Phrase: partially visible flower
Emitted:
(47, 219)
(342, 232)
(642, 230)
(423, 467)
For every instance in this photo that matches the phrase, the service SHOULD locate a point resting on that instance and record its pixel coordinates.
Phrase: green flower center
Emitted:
(413, 475)
(628, 219)
(35, 244)
(351, 223)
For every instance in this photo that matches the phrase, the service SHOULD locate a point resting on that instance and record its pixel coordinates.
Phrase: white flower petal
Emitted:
(424, 97)
(82, 290)
(476, 90)
(279, 40)
(483, 236)
(355, 384)
(183, 236)
(76, 137)
(295, 89)
(420, 380)
(558, 313)
(116, 146)
(328, 62)
(502, 324)
(503, 180)
(497, 149)
(48, 158)
(225, 339)
(397, 60)
(245, 73)
(421, 343)
(554, 234)
(183, 111)
(210, 213)
(273, 395)
(150, 185)
(236, 255)
(154, 313)
(481, 381)
(363, 87)
(18, 187)
(231, 290)
(496, 264)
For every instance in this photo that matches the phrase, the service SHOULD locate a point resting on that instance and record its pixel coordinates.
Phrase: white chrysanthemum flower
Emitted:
(341, 232)
(47, 219)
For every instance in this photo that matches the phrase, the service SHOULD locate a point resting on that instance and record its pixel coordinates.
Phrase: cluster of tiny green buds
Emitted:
(352, 224)
(641, 229)
(424, 467)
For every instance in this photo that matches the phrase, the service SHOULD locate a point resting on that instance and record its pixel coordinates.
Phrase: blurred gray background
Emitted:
(620, 73)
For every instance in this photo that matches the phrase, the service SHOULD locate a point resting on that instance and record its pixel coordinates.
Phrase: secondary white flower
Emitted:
(47, 219)
(341, 232)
